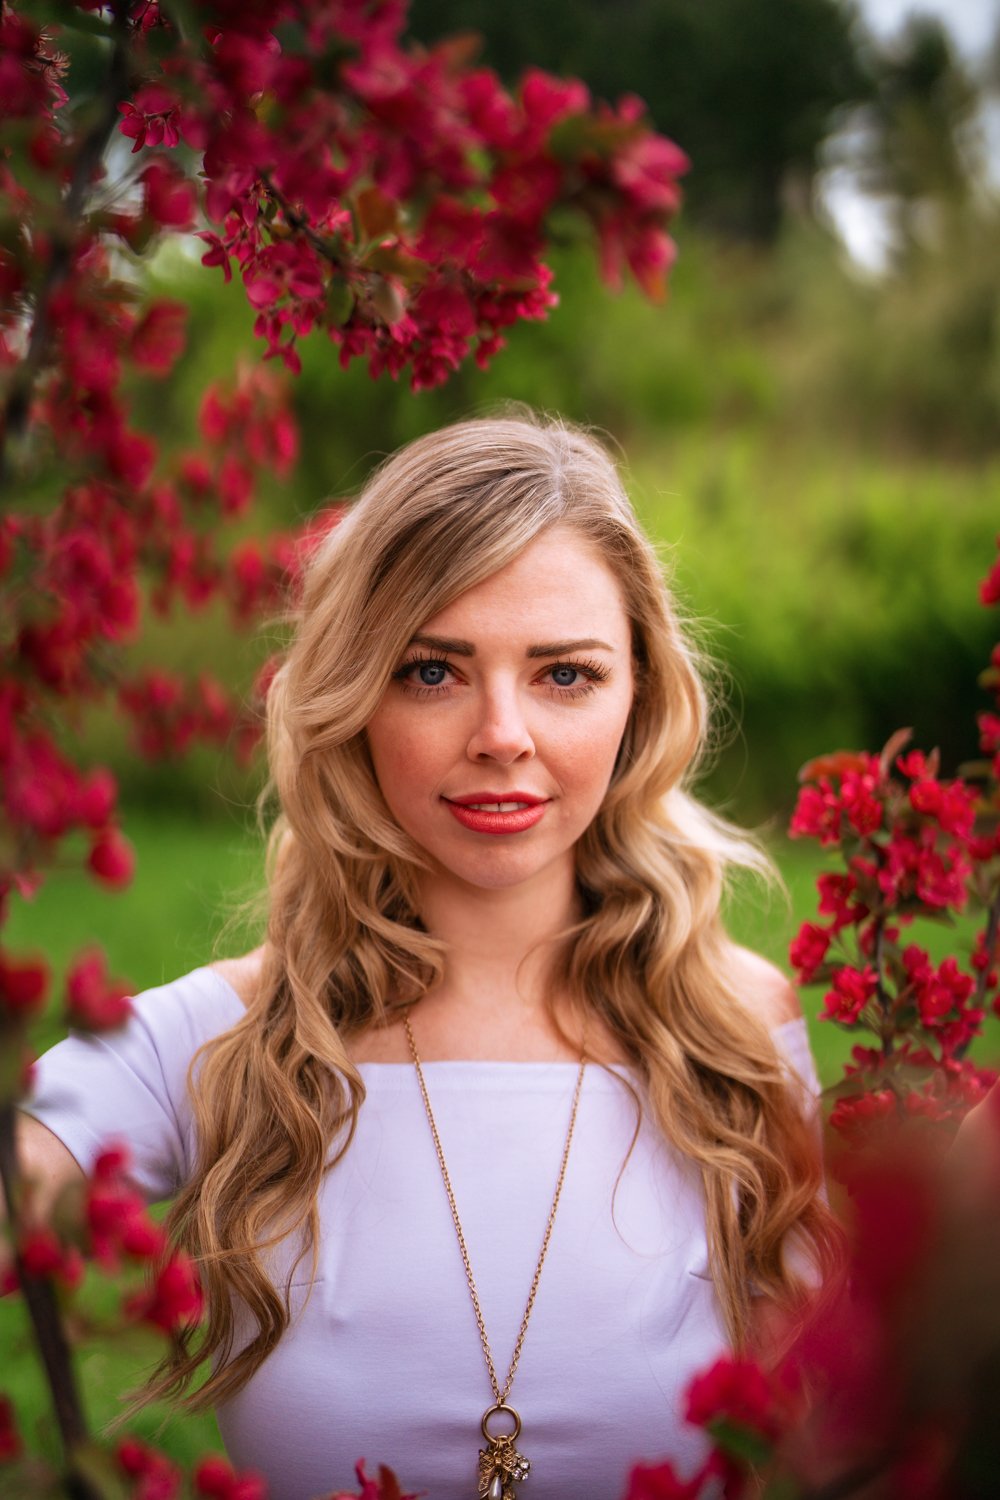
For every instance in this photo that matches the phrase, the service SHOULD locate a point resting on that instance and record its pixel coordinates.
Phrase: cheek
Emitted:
(588, 760)
(407, 762)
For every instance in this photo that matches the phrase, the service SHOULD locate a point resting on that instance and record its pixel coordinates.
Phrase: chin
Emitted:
(497, 870)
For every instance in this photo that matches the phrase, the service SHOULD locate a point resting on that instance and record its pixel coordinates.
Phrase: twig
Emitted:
(989, 949)
(992, 931)
(14, 416)
(46, 1321)
(880, 990)
(301, 224)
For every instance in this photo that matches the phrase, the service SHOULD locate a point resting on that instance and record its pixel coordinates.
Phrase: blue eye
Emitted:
(565, 676)
(423, 674)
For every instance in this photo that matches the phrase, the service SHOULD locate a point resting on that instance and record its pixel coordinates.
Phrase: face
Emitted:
(497, 736)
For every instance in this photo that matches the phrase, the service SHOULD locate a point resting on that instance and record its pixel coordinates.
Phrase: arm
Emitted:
(46, 1165)
(45, 1162)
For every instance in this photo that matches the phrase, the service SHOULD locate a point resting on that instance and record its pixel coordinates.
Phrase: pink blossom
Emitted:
(215, 1479)
(112, 858)
(174, 1300)
(737, 1391)
(10, 1438)
(855, 1118)
(93, 1000)
(152, 119)
(118, 1222)
(22, 987)
(852, 990)
(808, 950)
(154, 1476)
(169, 199)
(158, 338)
(989, 589)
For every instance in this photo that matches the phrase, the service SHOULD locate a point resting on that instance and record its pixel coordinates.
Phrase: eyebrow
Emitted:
(547, 648)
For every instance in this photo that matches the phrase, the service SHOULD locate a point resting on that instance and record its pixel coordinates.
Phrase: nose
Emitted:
(501, 733)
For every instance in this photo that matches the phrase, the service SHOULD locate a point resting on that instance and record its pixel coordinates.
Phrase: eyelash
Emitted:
(593, 672)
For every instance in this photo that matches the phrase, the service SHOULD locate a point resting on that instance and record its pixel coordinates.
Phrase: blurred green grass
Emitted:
(195, 877)
(192, 876)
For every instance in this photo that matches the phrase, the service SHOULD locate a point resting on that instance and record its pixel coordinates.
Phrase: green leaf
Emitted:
(390, 260)
(570, 137)
(339, 302)
(976, 770)
(782, 1487)
(741, 1442)
(292, 37)
(185, 15)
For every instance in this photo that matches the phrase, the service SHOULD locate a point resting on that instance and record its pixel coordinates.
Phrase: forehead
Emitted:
(557, 587)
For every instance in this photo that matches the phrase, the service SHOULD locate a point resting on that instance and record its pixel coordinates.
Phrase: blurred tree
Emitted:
(919, 146)
(751, 90)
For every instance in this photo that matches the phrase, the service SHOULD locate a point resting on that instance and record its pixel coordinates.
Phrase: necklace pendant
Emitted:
(501, 1467)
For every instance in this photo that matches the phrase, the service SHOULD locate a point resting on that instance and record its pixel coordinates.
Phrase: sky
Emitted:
(974, 24)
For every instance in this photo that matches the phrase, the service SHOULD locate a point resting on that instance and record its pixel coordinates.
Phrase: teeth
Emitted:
(497, 806)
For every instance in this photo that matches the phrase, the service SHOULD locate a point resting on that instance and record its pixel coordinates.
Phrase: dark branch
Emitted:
(46, 1321)
(989, 948)
(301, 224)
(881, 993)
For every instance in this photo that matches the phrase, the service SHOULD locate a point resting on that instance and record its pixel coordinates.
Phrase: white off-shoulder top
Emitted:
(382, 1360)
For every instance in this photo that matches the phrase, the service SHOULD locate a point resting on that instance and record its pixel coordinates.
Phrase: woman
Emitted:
(498, 1117)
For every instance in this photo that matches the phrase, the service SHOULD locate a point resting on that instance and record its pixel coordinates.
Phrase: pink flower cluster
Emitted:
(392, 195)
(115, 1230)
(745, 1410)
(879, 1384)
(71, 584)
(394, 198)
(915, 846)
(150, 1475)
(93, 1000)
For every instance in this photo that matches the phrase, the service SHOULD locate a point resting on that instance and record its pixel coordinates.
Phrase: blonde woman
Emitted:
(497, 1139)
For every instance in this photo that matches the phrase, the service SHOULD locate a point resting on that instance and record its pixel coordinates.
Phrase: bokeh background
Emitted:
(809, 430)
(810, 427)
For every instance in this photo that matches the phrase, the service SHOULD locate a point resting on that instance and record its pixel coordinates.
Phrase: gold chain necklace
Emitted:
(500, 1464)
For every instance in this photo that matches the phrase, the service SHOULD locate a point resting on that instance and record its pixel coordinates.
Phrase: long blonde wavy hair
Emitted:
(276, 1099)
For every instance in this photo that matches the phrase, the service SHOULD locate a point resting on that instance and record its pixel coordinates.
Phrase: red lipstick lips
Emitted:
(497, 812)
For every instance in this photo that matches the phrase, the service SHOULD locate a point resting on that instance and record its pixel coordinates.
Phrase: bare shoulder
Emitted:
(242, 974)
(767, 992)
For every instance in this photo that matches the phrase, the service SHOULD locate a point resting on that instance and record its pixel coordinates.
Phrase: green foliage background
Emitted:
(815, 451)
(823, 532)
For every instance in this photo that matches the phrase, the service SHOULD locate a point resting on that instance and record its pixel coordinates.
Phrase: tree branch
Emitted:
(46, 1321)
(989, 947)
(301, 224)
(881, 994)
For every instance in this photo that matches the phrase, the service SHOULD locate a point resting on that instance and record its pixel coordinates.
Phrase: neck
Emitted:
(499, 942)
(495, 991)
